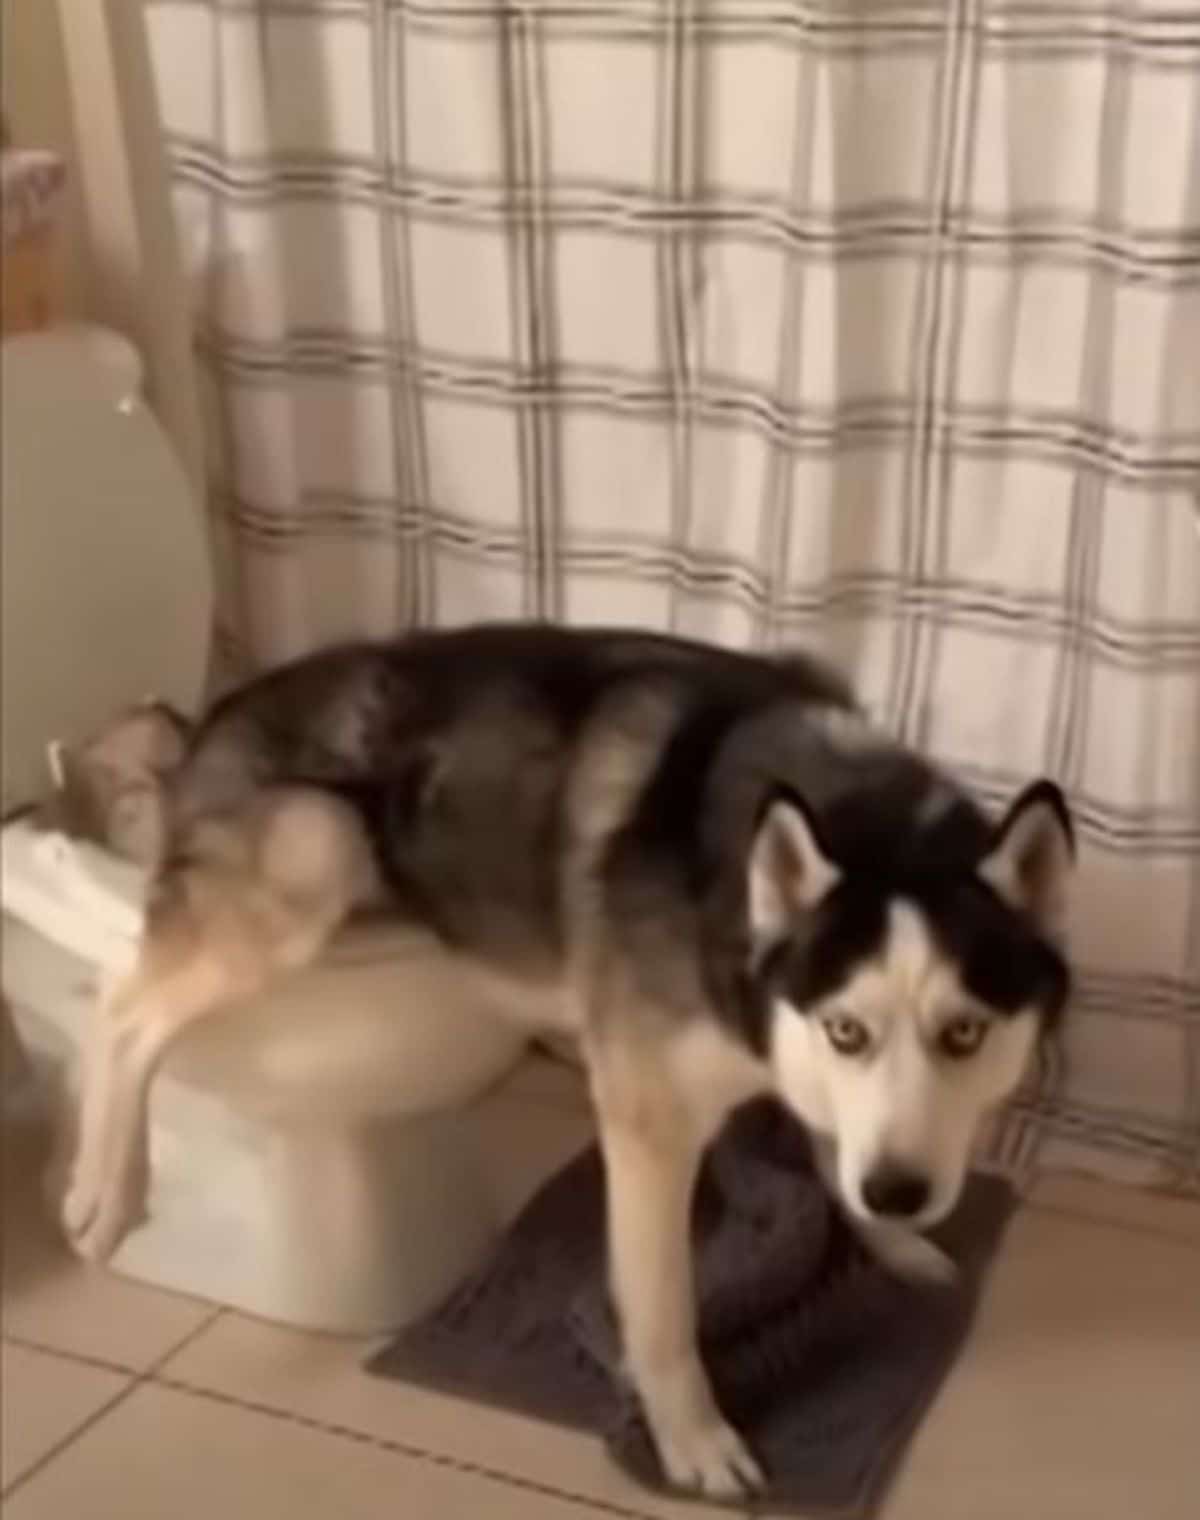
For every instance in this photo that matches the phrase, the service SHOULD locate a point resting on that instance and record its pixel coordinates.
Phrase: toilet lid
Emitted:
(106, 578)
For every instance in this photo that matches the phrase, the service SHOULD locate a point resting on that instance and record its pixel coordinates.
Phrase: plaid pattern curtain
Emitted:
(872, 325)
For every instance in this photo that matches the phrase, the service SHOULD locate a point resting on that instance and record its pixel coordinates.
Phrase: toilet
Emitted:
(310, 1163)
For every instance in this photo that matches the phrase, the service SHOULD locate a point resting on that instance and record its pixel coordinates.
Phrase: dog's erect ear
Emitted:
(1033, 853)
(788, 871)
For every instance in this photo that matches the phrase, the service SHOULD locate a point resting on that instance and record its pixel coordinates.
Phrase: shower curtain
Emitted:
(871, 325)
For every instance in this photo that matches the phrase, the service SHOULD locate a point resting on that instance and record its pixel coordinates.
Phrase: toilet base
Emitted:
(354, 1231)
(351, 1228)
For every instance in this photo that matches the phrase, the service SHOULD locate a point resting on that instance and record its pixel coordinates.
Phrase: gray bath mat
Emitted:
(822, 1359)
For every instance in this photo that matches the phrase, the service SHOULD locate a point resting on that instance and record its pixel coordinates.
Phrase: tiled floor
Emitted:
(1079, 1394)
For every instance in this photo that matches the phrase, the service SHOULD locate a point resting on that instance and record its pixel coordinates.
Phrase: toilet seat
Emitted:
(382, 1025)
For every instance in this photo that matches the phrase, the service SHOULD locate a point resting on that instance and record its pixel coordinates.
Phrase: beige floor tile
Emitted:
(322, 1379)
(548, 1080)
(54, 1300)
(163, 1453)
(1133, 1208)
(1078, 1395)
(524, 1141)
(42, 1400)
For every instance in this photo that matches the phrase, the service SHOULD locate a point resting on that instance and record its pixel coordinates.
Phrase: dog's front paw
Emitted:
(912, 1257)
(709, 1457)
(76, 1210)
(96, 1222)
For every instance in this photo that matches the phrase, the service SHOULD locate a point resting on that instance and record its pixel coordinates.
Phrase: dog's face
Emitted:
(902, 1009)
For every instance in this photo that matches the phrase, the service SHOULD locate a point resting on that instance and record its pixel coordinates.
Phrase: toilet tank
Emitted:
(106, 576)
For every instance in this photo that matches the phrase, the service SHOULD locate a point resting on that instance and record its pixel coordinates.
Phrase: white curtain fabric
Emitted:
(870, 325)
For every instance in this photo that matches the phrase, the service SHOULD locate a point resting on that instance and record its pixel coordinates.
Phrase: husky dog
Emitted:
(705, 865)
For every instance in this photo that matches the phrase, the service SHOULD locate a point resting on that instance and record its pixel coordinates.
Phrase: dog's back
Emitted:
(457, 751)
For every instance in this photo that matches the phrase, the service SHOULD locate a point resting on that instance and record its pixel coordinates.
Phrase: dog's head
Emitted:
(906, 987)
(109, 788)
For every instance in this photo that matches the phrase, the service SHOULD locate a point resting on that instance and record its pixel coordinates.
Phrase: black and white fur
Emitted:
(704, 865)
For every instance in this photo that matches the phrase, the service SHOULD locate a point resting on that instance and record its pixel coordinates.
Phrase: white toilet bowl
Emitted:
(310, 1158)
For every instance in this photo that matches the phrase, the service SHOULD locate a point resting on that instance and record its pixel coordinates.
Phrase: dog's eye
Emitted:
(962, 1036)
(847, 1036)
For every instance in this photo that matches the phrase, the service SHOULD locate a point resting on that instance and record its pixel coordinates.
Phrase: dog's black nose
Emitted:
(895, 1192)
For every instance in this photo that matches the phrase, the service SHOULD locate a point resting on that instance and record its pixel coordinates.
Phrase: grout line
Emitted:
(107, 1364)
(27, 1343)
(400, 1448)
(216, 1312)
(158, 1374)
(71, 1436)
(137, 1378)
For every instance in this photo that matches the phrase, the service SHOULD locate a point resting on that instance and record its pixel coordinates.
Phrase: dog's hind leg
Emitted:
(247, 898)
